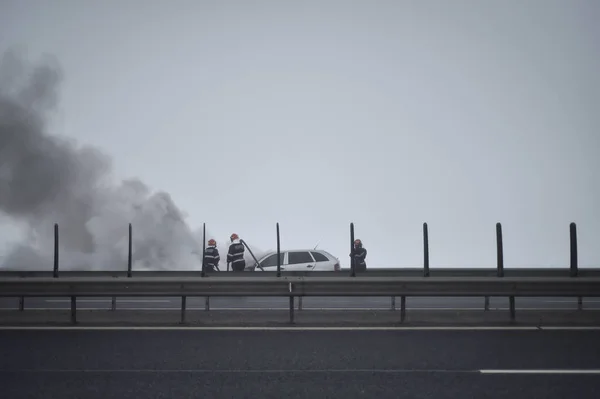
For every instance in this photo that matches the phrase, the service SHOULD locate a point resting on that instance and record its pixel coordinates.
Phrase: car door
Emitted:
(299, 261)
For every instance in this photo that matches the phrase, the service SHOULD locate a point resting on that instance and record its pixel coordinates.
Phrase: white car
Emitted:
(298, 260)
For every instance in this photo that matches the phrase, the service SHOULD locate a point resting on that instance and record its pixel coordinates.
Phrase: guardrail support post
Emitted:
(300, 303)
(402, 308)
(352, 263)
(55, 273)
(207, 304)
(73, 310)
(291, 304)
(579, 303)
(22, 303)
(512, 308)
(486, 304)
(113, 306)
(425, 250)
(393, 306)
(183, 304)
(129, 251)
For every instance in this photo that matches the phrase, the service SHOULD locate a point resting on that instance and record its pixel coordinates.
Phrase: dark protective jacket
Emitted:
(235, 255)
(359, 255)
(211, 259)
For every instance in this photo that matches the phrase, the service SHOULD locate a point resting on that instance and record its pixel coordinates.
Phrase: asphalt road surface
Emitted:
(333, 303)
(299, 364)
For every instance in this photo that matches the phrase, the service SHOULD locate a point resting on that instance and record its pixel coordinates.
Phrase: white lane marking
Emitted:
(238, 371)
(280, 328)
(558, 328)
(548, 371)
(108, 300)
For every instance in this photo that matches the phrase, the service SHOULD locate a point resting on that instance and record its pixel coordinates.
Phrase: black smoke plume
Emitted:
(45, 179)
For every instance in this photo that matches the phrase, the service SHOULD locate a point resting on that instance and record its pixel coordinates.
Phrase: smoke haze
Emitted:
(45, 179)
(460, 114)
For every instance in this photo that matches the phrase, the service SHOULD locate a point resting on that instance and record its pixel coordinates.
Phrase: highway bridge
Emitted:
(128, 362)
(125, 343)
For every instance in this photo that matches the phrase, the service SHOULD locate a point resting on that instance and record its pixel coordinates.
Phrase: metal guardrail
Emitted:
(294, 287)
(372, 272)
(403, 282)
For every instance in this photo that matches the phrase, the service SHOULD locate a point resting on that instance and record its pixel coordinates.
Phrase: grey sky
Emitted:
(314, 114)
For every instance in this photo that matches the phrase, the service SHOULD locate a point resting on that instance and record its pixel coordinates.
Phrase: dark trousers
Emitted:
(238, 266)
(360, 267)
(208, 268)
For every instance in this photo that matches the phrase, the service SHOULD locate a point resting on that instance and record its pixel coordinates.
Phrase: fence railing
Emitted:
(426, 270)
(294, 287)
(401, 282)
(371, 272)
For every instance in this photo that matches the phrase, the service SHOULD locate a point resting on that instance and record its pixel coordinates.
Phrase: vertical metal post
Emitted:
(512, 308)
(183, 305)
(300, 303)
(73, 310)
(573, 240)
(499, 250)
(278, 253)
(22, 303)
(113, 306)
(352, 263)
(129, 251)
(55, 273)
(574, 270)
(203, 274)
(402, 308)
(291, 304)
(393, 307)
(425, 250)
(207, 303)
(500, 266)
(486, 303)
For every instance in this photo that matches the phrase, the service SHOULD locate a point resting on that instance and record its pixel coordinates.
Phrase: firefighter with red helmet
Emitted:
(211, 257)
(235, 255)
(358, 256)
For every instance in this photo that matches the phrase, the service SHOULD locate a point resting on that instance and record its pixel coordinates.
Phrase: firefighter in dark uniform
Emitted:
(235, 255)
(359, 254)
(211, 257)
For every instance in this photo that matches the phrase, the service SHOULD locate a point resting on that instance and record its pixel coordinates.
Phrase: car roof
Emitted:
(322, 251)
(303, 250)
(297, 250)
